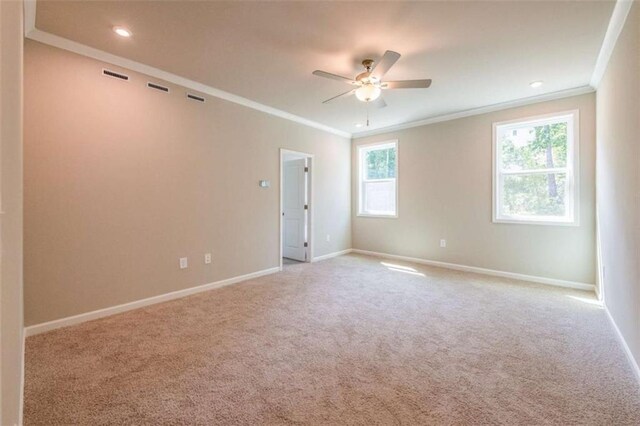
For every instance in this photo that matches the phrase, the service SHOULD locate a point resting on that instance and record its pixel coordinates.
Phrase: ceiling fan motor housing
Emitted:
(363, 76)
(368, 65)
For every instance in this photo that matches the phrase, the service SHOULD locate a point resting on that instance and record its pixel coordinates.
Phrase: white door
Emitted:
(294, 215)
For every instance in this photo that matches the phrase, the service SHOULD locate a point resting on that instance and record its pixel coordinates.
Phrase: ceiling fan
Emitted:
(369, 84)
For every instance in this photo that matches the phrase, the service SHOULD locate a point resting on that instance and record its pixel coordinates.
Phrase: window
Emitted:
(378, 173)
(535, 170)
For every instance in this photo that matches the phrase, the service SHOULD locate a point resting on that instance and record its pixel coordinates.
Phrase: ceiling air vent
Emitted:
(195, 97)
(114, 74)
(157, 87)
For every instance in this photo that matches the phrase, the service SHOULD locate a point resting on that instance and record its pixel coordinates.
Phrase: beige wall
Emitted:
(121, 181)
(11, 218)
(445, 187)
(618, 181)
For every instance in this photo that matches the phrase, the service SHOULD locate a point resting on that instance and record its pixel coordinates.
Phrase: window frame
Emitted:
(572, 170)
(362, 149)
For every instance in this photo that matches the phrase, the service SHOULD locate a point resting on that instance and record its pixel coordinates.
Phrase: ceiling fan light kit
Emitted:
(368, 92)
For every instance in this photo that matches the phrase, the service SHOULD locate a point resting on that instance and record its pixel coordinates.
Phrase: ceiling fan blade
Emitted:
(339, 96)
(379, 103)
(386, 62)
(406, 84)
(333, 77)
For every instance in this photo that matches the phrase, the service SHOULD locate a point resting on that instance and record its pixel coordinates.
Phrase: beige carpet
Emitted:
(344, 341)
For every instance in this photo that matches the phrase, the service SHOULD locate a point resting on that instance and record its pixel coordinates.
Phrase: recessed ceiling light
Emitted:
(535, 84)
(358, 124)
(122, 32)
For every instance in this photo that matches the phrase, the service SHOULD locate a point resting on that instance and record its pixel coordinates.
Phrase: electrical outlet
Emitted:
(443, 243)
(184, 263)
(207, 258)
(328, 238)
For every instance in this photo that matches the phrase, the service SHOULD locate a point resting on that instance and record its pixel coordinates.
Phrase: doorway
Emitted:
(296, 207)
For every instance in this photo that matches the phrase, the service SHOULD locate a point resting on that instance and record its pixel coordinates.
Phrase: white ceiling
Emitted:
(477, 53)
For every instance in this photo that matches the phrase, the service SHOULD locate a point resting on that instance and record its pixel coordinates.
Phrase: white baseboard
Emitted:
(330, 255)
(100, 313)
(477, 270)
(21, 413)
(627, 350)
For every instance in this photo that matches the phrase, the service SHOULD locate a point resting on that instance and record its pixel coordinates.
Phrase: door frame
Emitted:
(310, 203)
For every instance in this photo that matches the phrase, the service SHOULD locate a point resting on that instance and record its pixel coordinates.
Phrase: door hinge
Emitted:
(306, 170)
(306, 244)
(306, 207)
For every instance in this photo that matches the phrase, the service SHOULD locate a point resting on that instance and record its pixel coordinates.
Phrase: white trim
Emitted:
(616, 24)
(330, 255)
(478, 111)
(531, 220)
(310, 195)
(297, 153)
(29, 16)
(379, 216)
(391, 143)
(483, 271)
(100, 313)
(572, 170)
(627, 350)
(31, 32)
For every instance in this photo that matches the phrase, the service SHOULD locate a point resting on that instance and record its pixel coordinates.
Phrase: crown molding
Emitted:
(477, 111)
(32, 33)
(616, 24)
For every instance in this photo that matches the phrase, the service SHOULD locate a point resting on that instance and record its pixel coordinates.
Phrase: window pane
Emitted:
(380, 163)
(379, 197)
(533, 147)
(534, 195)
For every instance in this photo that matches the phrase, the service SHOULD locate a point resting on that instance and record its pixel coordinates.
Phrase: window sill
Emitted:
(536, 222)
(380, 216)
